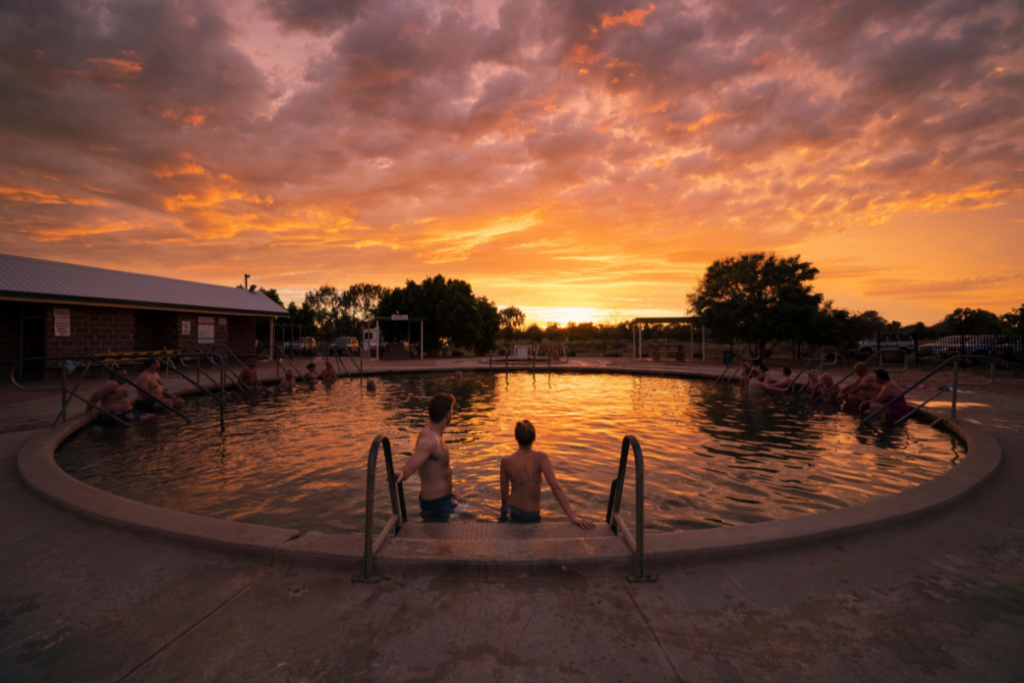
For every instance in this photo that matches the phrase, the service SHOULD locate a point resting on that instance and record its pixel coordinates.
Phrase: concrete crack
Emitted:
(189, 629)
(668, 658)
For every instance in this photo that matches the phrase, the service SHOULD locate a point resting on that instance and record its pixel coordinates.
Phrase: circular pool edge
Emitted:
(41, 474)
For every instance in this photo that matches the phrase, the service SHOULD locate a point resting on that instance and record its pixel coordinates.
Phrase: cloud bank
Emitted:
(571, 154)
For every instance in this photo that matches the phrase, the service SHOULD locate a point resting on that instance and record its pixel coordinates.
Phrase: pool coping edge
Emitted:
(39, 471)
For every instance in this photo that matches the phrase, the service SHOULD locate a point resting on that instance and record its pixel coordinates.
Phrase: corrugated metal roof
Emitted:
(30, 278)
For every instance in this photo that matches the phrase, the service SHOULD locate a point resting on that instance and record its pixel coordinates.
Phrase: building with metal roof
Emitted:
(50, 309)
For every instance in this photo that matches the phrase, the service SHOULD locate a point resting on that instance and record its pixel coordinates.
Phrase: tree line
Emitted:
(756, 298)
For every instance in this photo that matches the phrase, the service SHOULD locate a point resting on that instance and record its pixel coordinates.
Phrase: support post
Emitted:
(378, 340)
(956, 372)
(421, 340)
(703, 346)
(64, 390)
(640, 339)
(270, 351)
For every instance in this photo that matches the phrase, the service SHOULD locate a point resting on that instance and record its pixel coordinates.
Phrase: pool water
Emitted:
(715, 455)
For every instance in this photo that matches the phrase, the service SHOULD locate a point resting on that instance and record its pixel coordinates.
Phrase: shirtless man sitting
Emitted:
(864, 387)
(826, 390)
(113, 398)
(432, 460)
(151, 388)
(287, 385)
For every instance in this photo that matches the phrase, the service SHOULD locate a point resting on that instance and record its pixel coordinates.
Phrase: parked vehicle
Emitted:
(344, 346)
(887, 341)
(306, 346)
(1010, 350)
(975, 345)
(938, 347)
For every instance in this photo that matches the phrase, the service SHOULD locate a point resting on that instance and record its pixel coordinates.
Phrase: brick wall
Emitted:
(242, 335)
(94, 330)
(10, 342)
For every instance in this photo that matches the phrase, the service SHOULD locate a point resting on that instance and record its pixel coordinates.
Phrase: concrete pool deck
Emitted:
(938, 597)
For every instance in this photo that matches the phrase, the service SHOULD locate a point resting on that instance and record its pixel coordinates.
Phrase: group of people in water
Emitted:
(114, 399)
(870, 391)
(521, 472)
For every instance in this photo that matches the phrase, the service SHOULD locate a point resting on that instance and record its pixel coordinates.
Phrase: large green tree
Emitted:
(360, 303)
(758, 299)
(449, 308)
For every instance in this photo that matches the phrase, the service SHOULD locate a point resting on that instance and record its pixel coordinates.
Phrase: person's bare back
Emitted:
(432, 460)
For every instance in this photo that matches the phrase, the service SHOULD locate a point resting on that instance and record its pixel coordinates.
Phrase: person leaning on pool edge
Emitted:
(521, 473)
(432, 460)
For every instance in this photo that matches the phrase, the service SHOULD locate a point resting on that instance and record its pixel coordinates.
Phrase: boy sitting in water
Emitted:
(287, 385)
(328, 375)
(521, 472)
(310, 375)
(248, 377)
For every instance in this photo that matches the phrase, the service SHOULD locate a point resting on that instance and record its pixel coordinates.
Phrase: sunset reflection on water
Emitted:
(715, 455)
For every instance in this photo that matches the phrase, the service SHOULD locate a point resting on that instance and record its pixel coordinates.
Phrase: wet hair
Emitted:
(149, 362)
(762, 367)
(311, 366)
(525, 433)
(787, 372)
(440, 406)
(882, 375)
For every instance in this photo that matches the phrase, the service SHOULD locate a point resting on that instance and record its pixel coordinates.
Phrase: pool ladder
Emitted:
(955, 360)
(373, 543)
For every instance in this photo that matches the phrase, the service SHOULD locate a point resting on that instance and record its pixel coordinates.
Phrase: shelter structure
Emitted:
(638, 324)
(400, 317)
(49, 308)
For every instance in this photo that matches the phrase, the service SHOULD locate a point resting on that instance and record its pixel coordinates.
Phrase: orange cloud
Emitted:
(631, 18)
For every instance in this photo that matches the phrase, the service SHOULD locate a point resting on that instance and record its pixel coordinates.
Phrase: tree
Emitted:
(490, 325)
(972, 321)
(328, 312)
(512, 318)
(449, 309)
(360, 303)
(758, 299)
(1014, 320)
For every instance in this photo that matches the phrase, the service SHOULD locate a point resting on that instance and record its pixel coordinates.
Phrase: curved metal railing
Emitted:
(614, 518)
(398, 515)
(737, 357)
(822, 350)
(238, 378)
(955, 360)
(906, 366)
(68, 394)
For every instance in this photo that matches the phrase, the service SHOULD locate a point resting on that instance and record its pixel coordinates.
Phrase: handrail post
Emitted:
(397, 494)
(615, 504)
(64, 391)
(956, 373)
(223, 393)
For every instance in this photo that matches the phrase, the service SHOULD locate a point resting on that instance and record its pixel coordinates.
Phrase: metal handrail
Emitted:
(398, 514)
(614, 518)
(66, 400)
(219, 361)
(955, 360)
(280, 350)
(238, 378)
(737, 357)
(822, 364)
(906, 366)
(340, 360)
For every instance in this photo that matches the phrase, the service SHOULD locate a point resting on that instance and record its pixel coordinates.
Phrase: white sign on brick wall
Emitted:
(62, 322)
(205, 330)
(186, 328)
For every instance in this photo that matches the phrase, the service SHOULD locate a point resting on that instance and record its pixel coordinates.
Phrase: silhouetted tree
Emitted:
(758, 298)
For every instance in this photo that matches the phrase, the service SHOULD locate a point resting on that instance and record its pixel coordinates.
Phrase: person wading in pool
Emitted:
(432, 460)
(521, 473)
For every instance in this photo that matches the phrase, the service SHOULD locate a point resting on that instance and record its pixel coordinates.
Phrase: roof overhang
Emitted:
(136, 305)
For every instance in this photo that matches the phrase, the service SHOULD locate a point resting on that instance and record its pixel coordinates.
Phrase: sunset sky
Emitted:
(582, 160)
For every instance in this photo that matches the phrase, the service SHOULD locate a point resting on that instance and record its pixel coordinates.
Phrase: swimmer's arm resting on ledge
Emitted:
(563, 500)
(419, 456)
